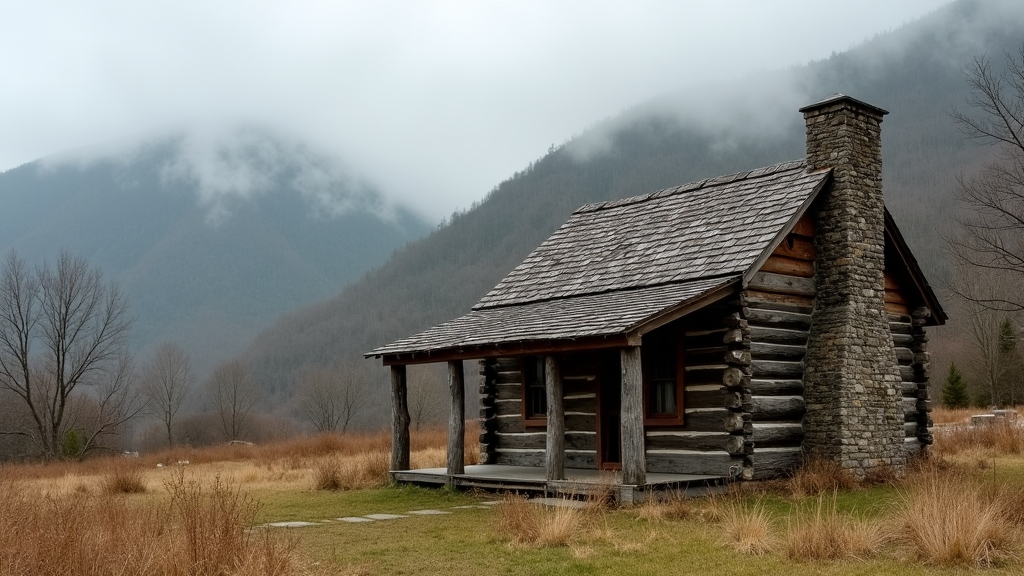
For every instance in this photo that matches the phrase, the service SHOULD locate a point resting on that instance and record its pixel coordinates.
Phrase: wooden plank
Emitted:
(802, 249)
(765, 434)
(890, 282)
(759, 297)
(768, 351)
(508, 408)
(632, 417)
(777, 407)
(804, 226)
(894, 308)
(774, 462)
(768, 282)
(895, 296)
(715, 463)
(779, 264)
(508, 392)
(768, 387)
(702, 441)
(456, 453)
(778, 319)
(510, 424)
(703, 396)
(586, 405)
(399, 419)
(708, 420)
(538, 441)
(536, 458)
(772, 335)
(772, 369)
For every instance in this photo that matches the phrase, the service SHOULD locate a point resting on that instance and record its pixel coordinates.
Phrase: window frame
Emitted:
(533, 380)
(675, 336)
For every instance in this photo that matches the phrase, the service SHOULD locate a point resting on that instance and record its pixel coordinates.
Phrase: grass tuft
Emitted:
(526, 524)
(824, 534)
(367, 470)
(747, 529)
(124, 477)
(818, 476)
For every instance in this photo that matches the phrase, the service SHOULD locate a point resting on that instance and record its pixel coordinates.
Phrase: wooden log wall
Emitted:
(711, 439)
(777, 306)
(505, 439)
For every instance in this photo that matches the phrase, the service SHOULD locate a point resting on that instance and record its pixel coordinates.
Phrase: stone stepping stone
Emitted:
(427, 512)
(491, 503)
(470, 507)
(385, 516)
(291, 524)
(354, 519)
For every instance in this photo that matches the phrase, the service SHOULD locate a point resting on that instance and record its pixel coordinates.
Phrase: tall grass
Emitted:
(201, 532)
(1001, 437)
(824, 534)
(948, 519)
(526, 524)
(748, 529)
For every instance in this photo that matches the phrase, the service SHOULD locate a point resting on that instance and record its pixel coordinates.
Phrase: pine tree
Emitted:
(954, 391)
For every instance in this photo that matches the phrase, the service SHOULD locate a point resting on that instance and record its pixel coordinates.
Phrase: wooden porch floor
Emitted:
(578, 482)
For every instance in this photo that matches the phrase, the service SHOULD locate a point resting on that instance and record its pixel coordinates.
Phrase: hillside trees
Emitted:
(233, 395)
(166, 382)
(63, 355)
(331, 397)
(992, 230)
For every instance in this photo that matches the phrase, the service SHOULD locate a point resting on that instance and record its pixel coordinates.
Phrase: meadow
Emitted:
(206, 512)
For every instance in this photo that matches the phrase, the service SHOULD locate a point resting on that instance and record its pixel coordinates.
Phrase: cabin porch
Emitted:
(578, 482)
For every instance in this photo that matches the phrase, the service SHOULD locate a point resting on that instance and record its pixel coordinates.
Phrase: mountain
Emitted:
(915, 72)
(211, 237)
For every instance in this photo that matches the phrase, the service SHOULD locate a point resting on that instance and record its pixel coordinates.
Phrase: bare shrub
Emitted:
(947, 520)
(527, 524)
(827, 535)
(818, 476)
(1001, 437)
(674, 507)
(367, 470)
(747, 529)
(125, 477)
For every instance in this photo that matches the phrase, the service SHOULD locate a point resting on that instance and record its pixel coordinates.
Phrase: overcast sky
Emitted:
(435, 101)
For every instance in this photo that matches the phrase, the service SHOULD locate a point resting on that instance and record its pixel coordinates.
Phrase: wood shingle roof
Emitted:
(616, 265)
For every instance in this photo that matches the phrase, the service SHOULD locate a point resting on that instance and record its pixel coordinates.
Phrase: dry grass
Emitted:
(674, 507)
(818, 476)
(526, 524)
(748, 530)
(202, 531)
(367, 470)
(124, 477)
(948, 519)
(999, 438)
(824, 534)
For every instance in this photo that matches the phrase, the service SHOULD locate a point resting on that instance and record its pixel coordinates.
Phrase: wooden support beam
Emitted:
(634, 461)
(456, 419)
(555, 460)
(399, 419)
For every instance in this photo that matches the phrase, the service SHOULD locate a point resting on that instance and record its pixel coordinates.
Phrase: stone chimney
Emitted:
(851, 376)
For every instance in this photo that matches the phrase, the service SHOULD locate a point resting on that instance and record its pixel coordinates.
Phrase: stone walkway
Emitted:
(379, 517)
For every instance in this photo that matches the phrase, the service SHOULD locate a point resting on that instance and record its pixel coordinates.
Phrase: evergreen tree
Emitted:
(954, 391)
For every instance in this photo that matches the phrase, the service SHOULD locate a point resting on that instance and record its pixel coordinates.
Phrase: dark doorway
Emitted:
(609, 405)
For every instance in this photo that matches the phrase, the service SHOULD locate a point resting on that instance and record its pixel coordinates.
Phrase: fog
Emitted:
(432, 102)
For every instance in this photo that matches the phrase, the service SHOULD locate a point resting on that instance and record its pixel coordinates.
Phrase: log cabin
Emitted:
(725, 329)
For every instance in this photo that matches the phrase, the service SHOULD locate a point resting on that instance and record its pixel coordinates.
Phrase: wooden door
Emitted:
(609, 404)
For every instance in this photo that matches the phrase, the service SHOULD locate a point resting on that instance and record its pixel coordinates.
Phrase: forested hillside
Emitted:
(915, 72)
(208, 250)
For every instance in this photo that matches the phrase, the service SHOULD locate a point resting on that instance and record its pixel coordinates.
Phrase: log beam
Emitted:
(456, 419)
(399, 419)
(634, 465)
(554, 462)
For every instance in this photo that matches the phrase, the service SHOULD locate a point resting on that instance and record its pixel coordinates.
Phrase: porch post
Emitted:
(399, 420)
(555, 459)
(634, 460)
(456, 420)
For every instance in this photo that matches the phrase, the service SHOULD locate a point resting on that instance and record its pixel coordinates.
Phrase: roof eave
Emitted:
(899, 243)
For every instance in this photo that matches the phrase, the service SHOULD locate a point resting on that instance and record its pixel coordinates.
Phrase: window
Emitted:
(663, 377)
(535, 396)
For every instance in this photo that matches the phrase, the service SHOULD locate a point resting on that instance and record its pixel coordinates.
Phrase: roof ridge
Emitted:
(697, 185)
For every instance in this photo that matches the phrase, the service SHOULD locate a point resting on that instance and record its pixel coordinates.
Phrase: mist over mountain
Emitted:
(914, 72)
(211, 235)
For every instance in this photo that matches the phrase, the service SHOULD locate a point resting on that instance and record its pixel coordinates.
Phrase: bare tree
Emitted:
(166, 382)
(234, 396)
(428, 394)
(330, 398)
(992, 231)
(62, 329)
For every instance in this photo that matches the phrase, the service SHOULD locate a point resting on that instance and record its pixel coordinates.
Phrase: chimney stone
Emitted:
(851, 376)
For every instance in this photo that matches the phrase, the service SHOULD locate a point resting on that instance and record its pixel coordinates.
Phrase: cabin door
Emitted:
(609, 405)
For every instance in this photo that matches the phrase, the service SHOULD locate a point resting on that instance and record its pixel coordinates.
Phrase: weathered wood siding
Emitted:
(911, 341)
(710, 441)
(778, 304)
(506, 439)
